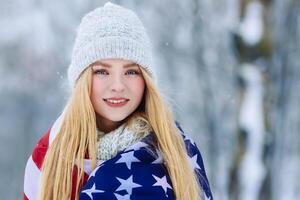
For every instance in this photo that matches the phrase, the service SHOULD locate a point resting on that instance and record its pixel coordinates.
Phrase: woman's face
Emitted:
(117, 90)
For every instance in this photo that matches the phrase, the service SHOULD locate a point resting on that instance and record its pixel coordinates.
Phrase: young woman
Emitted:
(116, 138)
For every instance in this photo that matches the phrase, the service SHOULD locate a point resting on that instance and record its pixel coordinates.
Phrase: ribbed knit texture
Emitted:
(109, 144)
(110, 32)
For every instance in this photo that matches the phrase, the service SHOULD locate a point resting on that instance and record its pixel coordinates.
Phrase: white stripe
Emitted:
(55, 128)
(33, 176)
(53, 132)
(31, 180)
(32, 172)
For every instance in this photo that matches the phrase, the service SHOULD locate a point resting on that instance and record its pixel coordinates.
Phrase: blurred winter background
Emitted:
(230, 68)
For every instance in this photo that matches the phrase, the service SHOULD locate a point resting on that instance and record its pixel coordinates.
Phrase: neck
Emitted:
(105, 125)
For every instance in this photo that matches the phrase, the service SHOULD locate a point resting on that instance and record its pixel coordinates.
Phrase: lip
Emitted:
(116, 98)
(115, 105)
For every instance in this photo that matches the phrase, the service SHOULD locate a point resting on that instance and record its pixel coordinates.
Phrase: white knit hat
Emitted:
(110, 32)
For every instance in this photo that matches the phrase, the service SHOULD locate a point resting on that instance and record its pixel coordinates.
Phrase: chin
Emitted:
(117, 118)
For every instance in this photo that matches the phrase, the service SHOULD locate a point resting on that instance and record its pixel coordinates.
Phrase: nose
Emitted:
(117, 84)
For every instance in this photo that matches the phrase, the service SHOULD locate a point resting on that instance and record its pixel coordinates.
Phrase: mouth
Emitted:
(116, 102)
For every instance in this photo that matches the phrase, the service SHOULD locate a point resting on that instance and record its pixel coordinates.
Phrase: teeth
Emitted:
(116, 101)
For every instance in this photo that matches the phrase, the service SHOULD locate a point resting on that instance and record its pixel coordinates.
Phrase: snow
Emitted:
(252, 171)
(251, 27)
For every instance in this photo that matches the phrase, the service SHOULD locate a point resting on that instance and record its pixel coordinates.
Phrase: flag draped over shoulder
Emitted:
(32, 178)
(136, 173)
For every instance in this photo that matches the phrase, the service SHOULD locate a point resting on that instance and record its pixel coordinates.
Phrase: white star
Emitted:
(159, 159)
(193, 162)
(136, 146)
(95, 170)
(128, 158)
(162, 182)
(127, 184)
(92, 190)
(206, 198)
(120, 197)
(189, 140)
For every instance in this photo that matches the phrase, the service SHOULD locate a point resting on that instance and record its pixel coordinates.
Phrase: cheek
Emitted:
(96, 90)
(138, 87)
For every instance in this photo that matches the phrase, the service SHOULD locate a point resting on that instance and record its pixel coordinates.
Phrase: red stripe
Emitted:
(38, 155)
(40, 150)
(25, 197)
(74, 181)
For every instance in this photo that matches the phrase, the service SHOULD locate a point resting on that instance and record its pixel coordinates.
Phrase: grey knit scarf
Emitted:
(109, 144)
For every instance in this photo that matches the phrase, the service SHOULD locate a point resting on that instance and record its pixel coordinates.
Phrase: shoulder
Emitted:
(33, 167)
(135, 172)
(196, 160)
(190, 144)
(40, 149)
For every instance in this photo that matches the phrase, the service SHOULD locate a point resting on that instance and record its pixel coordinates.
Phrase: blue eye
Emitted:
(101, 71)
(132, 72)
(105, 72)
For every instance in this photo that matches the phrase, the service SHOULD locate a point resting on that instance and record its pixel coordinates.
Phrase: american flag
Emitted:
(32, 178)
(137, 172)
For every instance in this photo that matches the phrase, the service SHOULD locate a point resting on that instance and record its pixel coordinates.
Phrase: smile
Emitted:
(116, 102)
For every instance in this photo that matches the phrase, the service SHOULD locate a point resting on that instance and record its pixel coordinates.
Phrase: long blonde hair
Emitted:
(77, 137)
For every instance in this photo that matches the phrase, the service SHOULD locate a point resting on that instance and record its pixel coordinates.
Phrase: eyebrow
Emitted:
(108, 65)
